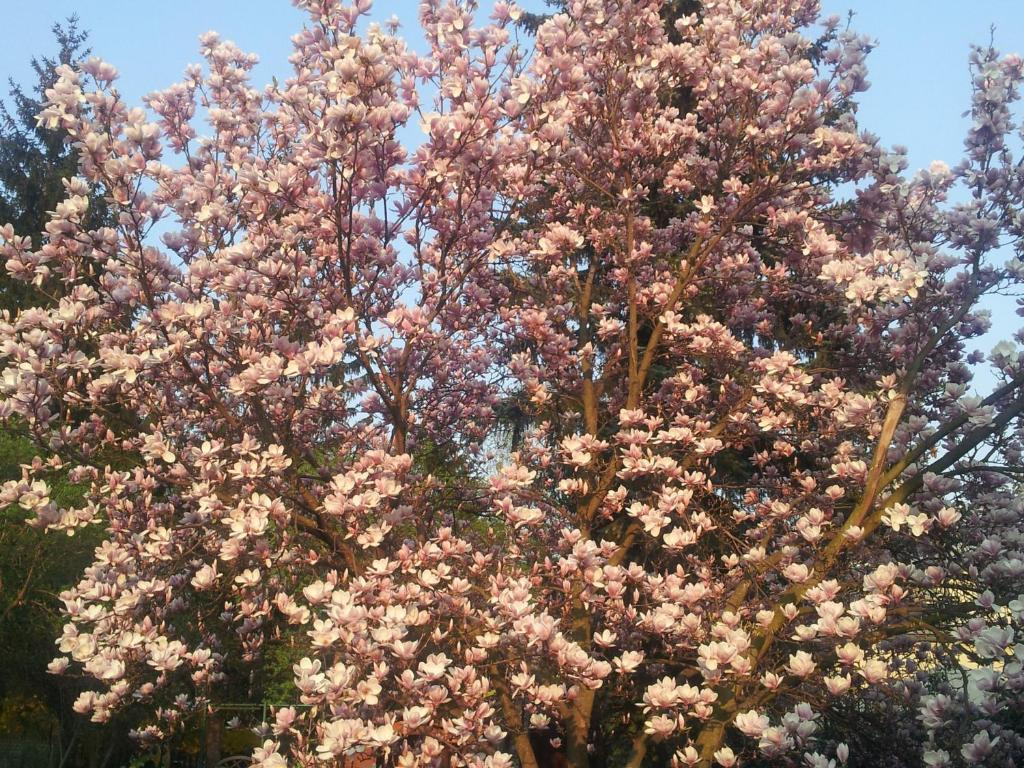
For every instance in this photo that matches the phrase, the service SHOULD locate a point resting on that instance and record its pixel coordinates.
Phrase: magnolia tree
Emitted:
(751, 479)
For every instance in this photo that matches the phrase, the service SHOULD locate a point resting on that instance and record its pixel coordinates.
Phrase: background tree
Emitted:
(35, 162)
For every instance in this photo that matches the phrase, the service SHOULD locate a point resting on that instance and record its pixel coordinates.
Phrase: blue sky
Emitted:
(920, 84)
(918, 72)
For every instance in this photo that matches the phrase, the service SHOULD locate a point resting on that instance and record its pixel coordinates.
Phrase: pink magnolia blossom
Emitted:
(745, 445)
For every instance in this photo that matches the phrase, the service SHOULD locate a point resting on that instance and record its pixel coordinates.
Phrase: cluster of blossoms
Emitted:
(748, 480)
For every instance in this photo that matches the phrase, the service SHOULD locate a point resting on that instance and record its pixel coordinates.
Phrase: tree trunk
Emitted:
(214, 737)
(577, 729)
(709, 741)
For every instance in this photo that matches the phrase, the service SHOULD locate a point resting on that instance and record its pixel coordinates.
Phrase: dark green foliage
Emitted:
(530, 21)
(34, 568)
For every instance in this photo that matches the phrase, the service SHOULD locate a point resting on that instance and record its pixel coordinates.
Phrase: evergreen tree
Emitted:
(36, 567)
(35, 160)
